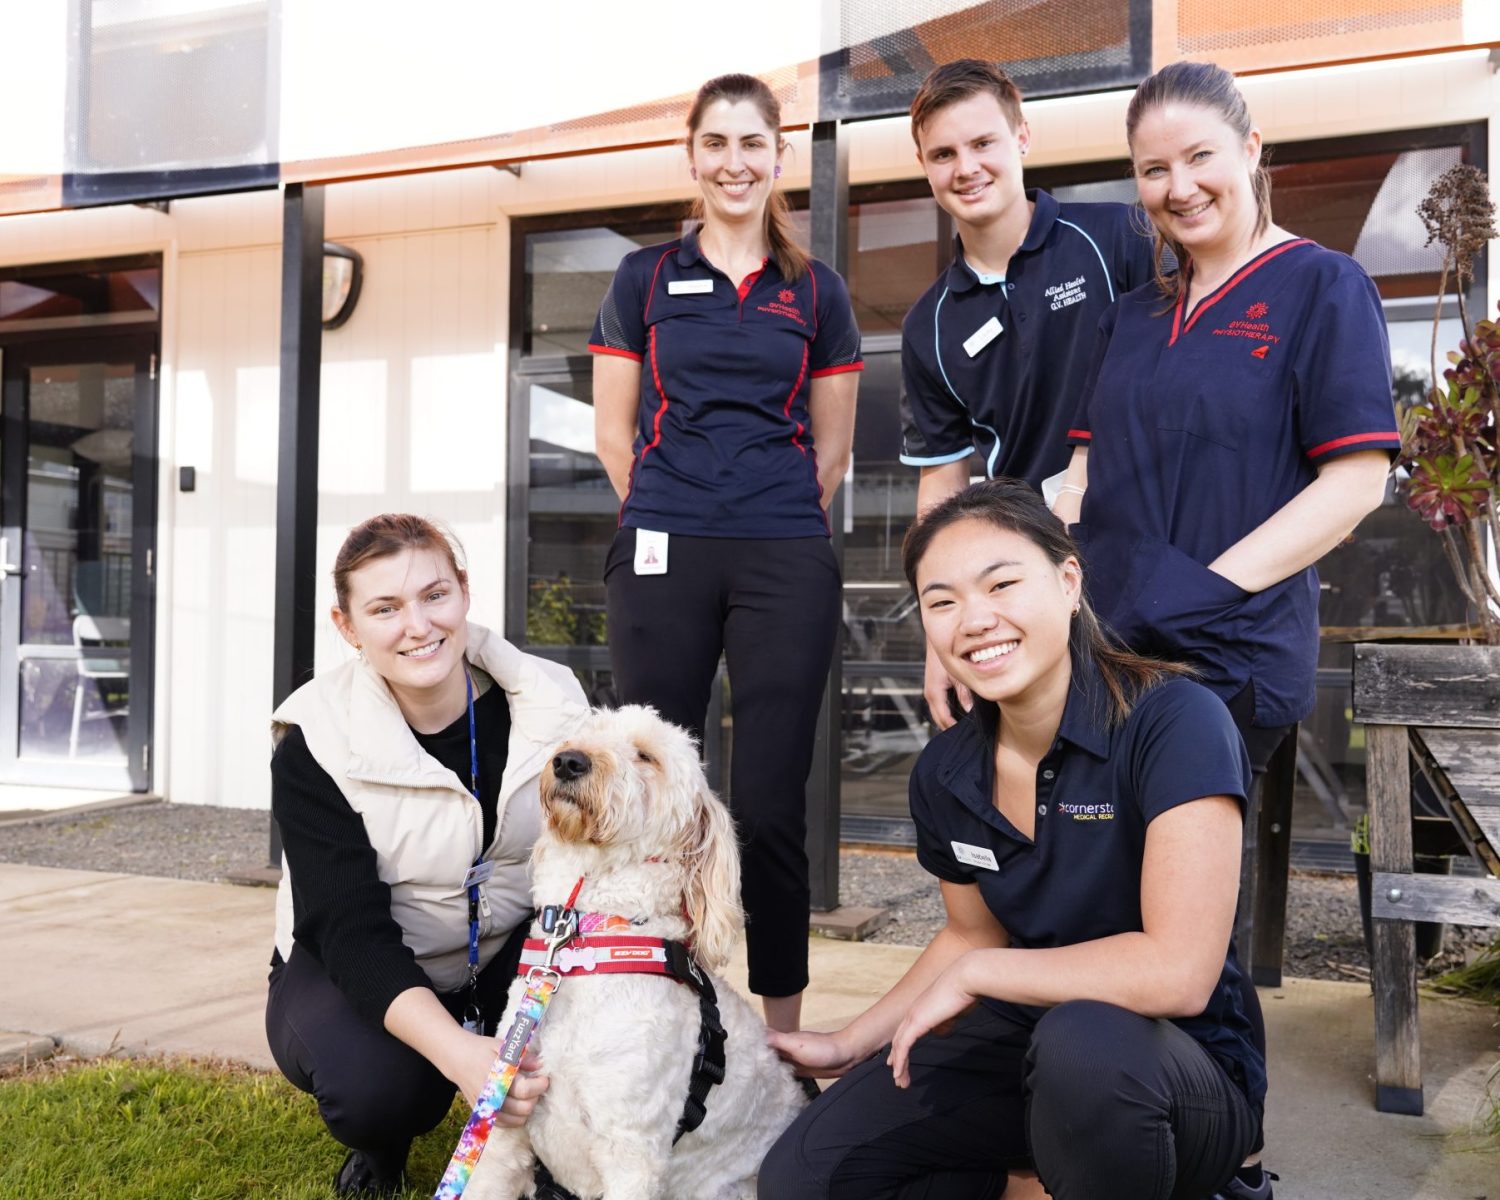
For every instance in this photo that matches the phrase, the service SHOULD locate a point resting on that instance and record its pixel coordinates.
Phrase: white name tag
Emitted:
(650, 552)
(478, 873)
(689, 287)
(974, 856)
(983, 336)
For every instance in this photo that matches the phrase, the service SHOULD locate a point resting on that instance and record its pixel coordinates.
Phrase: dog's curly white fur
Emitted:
(653, 844)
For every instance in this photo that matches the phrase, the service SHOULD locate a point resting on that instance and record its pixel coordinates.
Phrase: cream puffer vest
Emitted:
(424, 825)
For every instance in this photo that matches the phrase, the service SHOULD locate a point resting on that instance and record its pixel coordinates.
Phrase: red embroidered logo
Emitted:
(1254, 326)
(785, 305)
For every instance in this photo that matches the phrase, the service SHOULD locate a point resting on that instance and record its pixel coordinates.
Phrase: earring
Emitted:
(693, 171)
(1077, 608)
(777, 173)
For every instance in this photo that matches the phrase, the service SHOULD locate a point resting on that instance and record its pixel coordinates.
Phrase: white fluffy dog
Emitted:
(626, 808)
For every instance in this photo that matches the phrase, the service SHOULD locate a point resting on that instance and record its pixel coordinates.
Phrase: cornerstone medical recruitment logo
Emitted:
(1087, 812)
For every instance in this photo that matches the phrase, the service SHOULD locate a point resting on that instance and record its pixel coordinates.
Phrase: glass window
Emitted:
(73, 296)
(188, 88)
(894, 258)
(567, 273)
(572, 511)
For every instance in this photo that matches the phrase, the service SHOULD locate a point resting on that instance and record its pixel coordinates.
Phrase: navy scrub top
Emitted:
(724, 446)
(1097, 790)
(1013, 397)
(1203, 424)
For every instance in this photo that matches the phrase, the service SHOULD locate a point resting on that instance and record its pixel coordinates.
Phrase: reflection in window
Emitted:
(48, 293)
(573, 515)
(567, 273)
(893, 259)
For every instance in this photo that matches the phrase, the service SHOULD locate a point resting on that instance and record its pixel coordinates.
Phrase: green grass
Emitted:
(176, 1130)
(1480, 980)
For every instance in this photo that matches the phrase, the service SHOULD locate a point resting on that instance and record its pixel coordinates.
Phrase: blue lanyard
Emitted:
(472, 1015)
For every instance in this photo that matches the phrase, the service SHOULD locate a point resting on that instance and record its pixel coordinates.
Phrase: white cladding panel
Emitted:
(412, 419)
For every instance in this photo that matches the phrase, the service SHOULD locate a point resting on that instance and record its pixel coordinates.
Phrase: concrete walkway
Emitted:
(143, 965)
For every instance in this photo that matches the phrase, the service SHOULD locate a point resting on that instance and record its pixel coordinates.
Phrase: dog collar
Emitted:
(617, 954)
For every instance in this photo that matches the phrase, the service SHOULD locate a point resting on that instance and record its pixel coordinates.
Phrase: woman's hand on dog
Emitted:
(816, 1055)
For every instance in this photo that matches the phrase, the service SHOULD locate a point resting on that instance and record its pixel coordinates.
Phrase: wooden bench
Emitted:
(1439, 707)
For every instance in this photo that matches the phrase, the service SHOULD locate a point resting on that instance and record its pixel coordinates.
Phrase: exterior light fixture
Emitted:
(343, 273)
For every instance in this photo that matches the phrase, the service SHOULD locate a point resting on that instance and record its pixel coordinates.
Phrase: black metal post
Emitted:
(829, 212)
(297, 446)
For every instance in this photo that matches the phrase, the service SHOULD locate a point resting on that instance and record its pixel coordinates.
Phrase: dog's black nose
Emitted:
(571, 764)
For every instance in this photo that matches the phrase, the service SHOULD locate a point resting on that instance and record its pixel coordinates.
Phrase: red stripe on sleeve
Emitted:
(1390, 437)
(822, 371)
(630, 354)
(1081, 433)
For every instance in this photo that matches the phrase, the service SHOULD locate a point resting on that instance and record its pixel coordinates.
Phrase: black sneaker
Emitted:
(1249, 1183)
(361, 1176)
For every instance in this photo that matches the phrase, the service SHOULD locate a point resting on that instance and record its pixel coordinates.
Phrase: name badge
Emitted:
(650, 552)
(974, 856)
(689, 287)
(478, 873)
(983, 336)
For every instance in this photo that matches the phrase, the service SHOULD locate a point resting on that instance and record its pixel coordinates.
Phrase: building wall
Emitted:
(415, 385)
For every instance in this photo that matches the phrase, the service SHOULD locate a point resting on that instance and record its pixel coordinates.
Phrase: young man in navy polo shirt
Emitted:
(995, 353)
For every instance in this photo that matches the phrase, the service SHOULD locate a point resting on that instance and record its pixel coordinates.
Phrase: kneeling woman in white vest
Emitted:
(404, 783)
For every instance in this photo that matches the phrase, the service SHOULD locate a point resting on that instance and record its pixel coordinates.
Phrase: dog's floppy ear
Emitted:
(712, 891)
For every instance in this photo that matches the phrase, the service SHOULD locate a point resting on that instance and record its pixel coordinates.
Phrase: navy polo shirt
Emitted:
(1203, 424)
(724, 446)
(1012, 396)
(1099, 787)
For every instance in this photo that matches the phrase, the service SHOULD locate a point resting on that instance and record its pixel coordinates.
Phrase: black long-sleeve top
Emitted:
(341, 907)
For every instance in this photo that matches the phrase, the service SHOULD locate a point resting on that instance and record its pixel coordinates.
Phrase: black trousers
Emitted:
(1101, 1101)
(374, 1092)
(772, 607)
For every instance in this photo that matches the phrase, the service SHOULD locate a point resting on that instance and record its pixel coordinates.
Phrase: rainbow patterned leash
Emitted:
(541, 984)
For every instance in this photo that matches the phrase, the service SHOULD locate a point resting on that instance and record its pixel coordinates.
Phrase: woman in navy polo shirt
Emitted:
(724, 394)
(1240, 423)
(1084, 824)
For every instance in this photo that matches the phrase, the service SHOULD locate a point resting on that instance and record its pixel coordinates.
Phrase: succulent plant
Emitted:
(1448, 438)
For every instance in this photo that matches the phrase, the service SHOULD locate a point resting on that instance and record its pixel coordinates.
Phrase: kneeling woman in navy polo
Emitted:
(1080, 1009)
(724, 393)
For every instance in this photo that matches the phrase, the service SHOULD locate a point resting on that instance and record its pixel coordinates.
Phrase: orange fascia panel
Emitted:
(1256, 35)
(29, 193)
(1004, 34)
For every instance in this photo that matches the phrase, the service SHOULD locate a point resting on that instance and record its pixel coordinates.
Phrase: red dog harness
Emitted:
(598, 950)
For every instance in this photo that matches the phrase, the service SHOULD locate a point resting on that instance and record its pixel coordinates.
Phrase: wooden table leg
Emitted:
(1393, 973)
